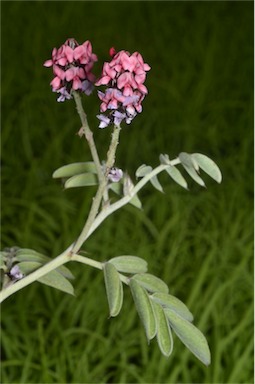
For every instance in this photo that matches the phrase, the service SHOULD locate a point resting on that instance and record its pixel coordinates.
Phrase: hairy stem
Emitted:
(102, 186)
(88, 134)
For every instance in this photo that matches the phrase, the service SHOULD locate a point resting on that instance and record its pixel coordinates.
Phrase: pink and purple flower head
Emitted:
(124, 79)
(72, 64)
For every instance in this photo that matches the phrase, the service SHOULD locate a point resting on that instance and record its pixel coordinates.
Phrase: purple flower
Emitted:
(15, 273)
(115, 174)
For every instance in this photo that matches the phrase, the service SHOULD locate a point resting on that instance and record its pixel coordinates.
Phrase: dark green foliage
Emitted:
(200, 242)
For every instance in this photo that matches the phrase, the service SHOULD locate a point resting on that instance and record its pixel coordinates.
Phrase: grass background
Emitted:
(200, 242)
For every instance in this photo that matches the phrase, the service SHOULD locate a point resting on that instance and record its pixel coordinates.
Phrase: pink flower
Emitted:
(72, 64)
(124, 77)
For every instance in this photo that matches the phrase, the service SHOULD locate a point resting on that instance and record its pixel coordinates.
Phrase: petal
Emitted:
(48, 63)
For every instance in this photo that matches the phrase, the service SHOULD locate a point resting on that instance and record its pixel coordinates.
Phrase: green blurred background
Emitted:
(200, 242)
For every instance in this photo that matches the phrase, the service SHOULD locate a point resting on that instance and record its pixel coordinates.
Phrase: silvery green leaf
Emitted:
(144, 308)
(136, 202)
(57, 280)
(164, 334)
(208, 166)
(164, 159)
(27, 267)
(114, 289)
(171, 302)
(190, 336)
(151, 282)
(25, 254)
(64, 271)
(156, 184)
(29, 255)
(74, 169)
(127, 189)
(83, 180)
(176, 175)
(129, 264)
(118, 189)
(191, 167)
(143, 170)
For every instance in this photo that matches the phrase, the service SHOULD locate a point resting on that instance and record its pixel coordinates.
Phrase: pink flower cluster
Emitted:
(124, 77)
(72, 64)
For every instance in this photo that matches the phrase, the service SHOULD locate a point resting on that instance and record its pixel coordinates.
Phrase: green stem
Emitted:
(126, 199)
(96, 264)
(88, 134)
(34, 276)
(102, 186)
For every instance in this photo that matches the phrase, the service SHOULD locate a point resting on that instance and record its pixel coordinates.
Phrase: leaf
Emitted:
(191, 167)
(74, 169)
(25, 254)
(33, 256)
(144, 308)
(151, 282)
(208, 166)
(156, 184)
(27, 267)
(53, 279)
(118, 189)
(64, 271)
(171, 302)
(143, 170)
(176, 175)
(129, 264)
(190, 336)
(56, 280)
(114, 288)
(83, 180)
(164, 334)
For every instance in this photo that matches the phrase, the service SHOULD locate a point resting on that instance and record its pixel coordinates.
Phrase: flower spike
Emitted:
(72, 64)
(124, 79)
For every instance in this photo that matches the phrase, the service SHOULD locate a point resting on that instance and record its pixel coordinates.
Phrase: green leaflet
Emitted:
(114, 288)
(54, 278)
(208, 166)
(25, 254)
(82, 180)
(171, 302)
(176, 175)
(156, 184)
(164, 334)
(118, 189)
(74, 169)
(190, 336)
(144, 308)
(151, 282)
(129, 264)
(191, 166)
(143, 170)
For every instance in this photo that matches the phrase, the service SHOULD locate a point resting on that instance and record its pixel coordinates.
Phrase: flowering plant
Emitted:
(123, 78)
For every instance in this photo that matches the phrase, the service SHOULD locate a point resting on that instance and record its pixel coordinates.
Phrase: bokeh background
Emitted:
(199, 241)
